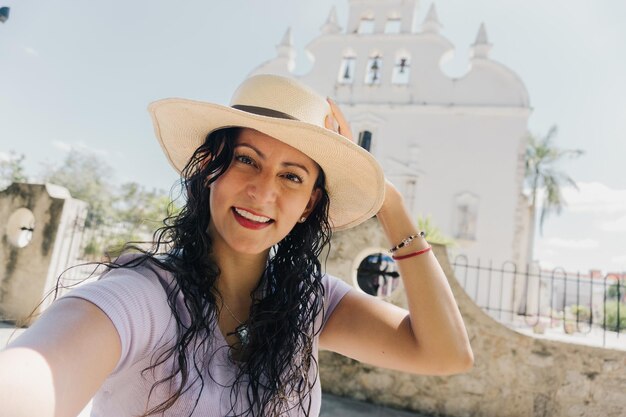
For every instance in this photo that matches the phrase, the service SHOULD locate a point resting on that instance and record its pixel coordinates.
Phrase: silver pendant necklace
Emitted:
(241, 331)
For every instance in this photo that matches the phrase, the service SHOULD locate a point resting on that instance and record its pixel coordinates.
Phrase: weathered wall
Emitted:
(514, 375)
(27, 273)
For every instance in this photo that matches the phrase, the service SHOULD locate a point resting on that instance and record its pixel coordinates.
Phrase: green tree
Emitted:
(140, 210)
(12, 169)
(88, 178)
(542, 158)
(117, 214)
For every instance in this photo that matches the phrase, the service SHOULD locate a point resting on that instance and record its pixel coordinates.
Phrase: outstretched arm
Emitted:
(56, 366)
(428, 339)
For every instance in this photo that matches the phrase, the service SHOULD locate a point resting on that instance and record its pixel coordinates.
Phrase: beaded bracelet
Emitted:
(412, 254)
(407, 241)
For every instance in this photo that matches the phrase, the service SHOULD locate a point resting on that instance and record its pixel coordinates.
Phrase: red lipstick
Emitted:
(250, 224)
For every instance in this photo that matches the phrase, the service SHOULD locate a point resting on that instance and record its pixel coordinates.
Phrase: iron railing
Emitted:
(554, 302)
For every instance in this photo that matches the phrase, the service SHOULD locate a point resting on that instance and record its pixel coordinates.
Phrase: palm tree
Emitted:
(541, 172)
(542, 158)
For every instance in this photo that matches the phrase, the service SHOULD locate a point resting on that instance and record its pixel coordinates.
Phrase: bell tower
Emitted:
(379, 16)
(453, 146)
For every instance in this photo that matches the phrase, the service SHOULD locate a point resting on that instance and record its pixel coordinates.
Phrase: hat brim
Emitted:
(354, 180)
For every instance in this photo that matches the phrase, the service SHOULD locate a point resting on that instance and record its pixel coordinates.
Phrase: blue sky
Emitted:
(75, 75)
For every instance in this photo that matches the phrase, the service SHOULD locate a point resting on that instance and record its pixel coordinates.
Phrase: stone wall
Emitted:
(514, 375)
(40, 234)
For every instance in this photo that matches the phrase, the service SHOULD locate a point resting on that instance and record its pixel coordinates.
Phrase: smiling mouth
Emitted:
(252, 217)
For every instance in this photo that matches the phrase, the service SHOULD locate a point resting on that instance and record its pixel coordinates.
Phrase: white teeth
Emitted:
(253, 217)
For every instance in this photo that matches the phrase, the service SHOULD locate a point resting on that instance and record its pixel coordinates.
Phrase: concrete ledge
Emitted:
(335, 406)
(514, 375)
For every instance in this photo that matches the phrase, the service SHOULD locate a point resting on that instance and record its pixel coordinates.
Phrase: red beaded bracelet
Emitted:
(412, 254)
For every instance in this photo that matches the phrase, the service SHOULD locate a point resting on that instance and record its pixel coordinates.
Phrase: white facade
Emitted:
(454, 146)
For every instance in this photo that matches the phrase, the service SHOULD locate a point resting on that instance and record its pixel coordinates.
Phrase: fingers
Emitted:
(331, 123)
(337, 121)
(341, 119)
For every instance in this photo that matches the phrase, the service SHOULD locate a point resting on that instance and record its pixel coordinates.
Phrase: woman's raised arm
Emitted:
(56, 366)
(428, 339)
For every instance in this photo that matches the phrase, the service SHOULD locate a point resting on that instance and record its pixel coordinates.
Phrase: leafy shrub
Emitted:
(580, 313)
(616, 290)
(611, 318)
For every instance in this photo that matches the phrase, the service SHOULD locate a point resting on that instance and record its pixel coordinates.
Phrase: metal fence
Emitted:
(590, 308)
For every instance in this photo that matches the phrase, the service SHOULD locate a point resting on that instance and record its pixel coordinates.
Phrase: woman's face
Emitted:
(267, 188)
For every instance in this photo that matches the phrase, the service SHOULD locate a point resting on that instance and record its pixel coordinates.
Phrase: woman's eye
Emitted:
(293, 177)
(244, 159)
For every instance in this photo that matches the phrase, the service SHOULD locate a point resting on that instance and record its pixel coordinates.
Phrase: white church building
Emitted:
(454, 146)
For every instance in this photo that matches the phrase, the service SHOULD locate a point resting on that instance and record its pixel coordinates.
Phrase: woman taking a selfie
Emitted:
(225, 315)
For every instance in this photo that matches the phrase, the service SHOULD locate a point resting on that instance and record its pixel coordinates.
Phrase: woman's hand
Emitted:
(337, 122)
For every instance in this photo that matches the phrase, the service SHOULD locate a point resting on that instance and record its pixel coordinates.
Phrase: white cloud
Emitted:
(78, 146)
(81, 146)
(617, 225)
(594, 197)
(572, 243)
(31, 51)
(10, 156)
(65, 147)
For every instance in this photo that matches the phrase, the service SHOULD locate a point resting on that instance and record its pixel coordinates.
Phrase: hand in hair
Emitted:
(430, 338)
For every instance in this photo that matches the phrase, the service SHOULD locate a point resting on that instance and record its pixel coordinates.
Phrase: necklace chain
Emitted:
(231, 312)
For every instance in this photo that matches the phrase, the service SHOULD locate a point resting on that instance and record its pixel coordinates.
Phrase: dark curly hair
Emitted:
(276, 369)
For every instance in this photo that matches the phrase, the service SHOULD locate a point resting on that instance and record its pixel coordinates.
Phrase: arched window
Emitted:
(377, 274)
(347, 69)
(20, 227)
(393, 25)
(366, 26)
(466, 216)
(374, 69)
(365, 140)
(401, 70)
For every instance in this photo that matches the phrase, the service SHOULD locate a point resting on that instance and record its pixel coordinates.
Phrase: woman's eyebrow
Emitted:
(247, 145)
(294, 164)
(262, 156)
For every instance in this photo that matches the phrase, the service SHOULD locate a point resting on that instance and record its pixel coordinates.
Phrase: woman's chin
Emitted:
(252, 249)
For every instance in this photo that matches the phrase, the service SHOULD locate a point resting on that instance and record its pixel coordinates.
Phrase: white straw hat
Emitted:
(292, 113)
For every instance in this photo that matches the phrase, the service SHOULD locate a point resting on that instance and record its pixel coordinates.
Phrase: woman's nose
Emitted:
(262, 188)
